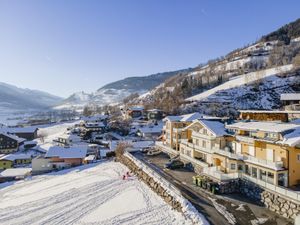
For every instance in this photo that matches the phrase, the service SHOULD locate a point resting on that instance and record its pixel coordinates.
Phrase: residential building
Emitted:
(290, 101)
(67, 140)
(66, 157)
(155, 114)
(150, 132)
(14, 160)
(28, 133)
(14, 174)
(270, 151)
(40, 164)
(9, 143)
(174, 129)
(263, 115)
(133, 112)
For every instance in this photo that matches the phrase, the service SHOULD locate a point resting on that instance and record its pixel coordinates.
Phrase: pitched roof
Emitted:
(215, 127)
(292, 138)
(14, 137)
(185, 118)
(15, 130)
(66, 153)
(13, 157)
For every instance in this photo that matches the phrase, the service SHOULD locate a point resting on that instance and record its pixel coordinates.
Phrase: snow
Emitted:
(263, 126)
(13, 157)
(14, 137)
(241, 80)
(15, 172)
(66, 153)
(290, 96)
(293, 138)
(223, 211)
(215, 127)
(185, 118)
(90, 194)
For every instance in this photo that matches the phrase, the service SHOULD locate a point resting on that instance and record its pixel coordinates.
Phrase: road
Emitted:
(182, 179)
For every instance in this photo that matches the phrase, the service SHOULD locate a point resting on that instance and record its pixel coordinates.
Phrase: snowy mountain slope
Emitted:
(241, 80)
(12, 97)
(261, 95)
(116, 91)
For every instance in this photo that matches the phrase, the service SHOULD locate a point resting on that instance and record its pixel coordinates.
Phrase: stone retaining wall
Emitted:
(147, 179)
(273, 201)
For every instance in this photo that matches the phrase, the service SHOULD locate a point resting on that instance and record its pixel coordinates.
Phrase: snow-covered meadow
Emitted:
(90, 194)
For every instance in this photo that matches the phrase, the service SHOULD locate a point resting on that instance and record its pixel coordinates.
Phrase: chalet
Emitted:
(9, 143)
(28, 133)
(133, 112)
(291, 101)
(150, 132)
(67, 140)
(66, 156)
(174, 128)
(155, 114)
(14, 160)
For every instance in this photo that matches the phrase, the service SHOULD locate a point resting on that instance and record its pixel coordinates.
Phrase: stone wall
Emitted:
(273, 201)
(147, 179)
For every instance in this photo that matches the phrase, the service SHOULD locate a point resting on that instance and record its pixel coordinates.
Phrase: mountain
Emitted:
(223, 83)
(116, 91)
(14, 98)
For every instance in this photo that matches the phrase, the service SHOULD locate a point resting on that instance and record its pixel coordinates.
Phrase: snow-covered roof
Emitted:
(90, 157)
(99, 124)
(215, 127)
(136, 108)
(292, 139)
(16, 138)
(65, 153)
(97, 117)
(151, 129)
(15, 130)
(185, 118)
(72, 137)
(15, 172)
(290, 96)
(276, 127)
(13, 157)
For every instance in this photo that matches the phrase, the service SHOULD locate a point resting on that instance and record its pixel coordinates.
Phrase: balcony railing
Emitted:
(277, 165)
(245, 139)
(203, 136)
(213, 172)
(228, 154)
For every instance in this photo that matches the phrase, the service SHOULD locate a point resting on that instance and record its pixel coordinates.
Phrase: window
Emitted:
(247, 171)
(204, 131)
(232, 166)
(204, 144)
(240, 167)
(270, 155)
(254, 172)
(263, 175)
(298, 157)
(197, 142)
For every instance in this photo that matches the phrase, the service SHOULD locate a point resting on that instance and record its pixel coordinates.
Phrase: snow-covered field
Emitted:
(90, 194)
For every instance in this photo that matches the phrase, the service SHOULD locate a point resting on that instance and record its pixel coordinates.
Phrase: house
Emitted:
(9, 143)
(40, 164)
(66, 156)
(67, 140)
(133, 112)
(14, 160)
(174, 128)
(150, 132)
(90, 159)
(290, 101)
(270, 151)
(28, 133)
(15, 174)
(204, 140)
(155, 114)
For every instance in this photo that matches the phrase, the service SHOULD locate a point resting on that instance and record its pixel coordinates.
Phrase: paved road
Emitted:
(201, 204)
(182, 179)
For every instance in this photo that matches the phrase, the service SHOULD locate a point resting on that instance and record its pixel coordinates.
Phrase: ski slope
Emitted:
(241, 80)
(90, 194)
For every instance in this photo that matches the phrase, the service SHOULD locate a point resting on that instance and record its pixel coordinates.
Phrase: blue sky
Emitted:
(64, 46)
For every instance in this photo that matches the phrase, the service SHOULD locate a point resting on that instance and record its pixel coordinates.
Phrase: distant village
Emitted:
(261, 147)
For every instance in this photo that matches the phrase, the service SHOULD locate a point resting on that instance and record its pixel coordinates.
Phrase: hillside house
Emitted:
(150, 132)
(290, 101)
(28, 133)
(15, 174)
(155, 114)
(133, 112)
(174, 129)
(67, 140)
(14, 160)
(61, 157)
(9, 143)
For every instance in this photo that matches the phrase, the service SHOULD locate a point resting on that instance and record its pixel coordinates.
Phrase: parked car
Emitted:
(153, 152)
(174, 164)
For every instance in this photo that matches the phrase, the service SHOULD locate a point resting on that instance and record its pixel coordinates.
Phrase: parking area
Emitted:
(243, 210)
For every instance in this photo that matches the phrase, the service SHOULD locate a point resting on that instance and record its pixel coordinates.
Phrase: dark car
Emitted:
(175, 164)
